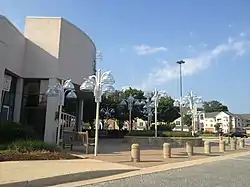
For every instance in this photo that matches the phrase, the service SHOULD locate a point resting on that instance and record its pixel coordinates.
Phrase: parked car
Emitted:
(238, 134)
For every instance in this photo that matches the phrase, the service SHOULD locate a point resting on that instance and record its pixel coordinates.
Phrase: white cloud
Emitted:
(146, 49)
(167, 72)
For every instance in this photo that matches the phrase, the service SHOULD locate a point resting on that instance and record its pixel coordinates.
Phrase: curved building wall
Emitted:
(76, 55)
(62, 50)
(12, 47)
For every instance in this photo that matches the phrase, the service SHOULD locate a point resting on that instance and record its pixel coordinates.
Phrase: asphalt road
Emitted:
(228, 173)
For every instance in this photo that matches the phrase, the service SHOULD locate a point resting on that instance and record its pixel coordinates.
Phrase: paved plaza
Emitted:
(113, 162)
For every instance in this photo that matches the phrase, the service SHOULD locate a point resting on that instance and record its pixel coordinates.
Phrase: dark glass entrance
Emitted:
(34, 104)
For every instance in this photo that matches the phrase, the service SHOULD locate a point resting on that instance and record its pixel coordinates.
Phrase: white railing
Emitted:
(68, 120)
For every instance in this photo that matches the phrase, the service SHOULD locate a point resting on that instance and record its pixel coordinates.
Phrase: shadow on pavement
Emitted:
(74, 177)
(198, 154)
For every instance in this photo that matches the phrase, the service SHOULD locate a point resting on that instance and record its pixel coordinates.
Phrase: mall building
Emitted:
(49, 50)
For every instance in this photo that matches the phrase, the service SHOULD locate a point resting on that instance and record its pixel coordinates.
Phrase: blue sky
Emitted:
(141, 40)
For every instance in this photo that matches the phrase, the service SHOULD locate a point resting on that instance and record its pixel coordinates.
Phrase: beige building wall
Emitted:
(50, 48)
(41, 59)
(12, 50)
(61, 50)
(77, 53)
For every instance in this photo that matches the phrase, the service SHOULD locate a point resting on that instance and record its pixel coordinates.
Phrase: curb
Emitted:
(153, 169)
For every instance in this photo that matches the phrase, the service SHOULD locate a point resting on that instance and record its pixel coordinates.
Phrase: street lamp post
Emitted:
(130, 101)
(60, 91)
(95, 84)
(180, 62)
(148, 105)
(107, 112)
(156, 98)
(191, 100)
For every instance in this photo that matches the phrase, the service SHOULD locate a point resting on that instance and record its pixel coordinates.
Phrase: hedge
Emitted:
(151, 133)
(12, 131)
(30, 145)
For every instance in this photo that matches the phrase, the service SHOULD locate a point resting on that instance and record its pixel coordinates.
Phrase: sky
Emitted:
(141, 40)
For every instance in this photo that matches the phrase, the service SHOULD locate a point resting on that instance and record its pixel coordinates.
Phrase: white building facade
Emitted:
(227, 121)
(49, 50)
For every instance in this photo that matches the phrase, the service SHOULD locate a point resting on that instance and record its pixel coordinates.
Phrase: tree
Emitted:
(214, 106)
(166, 110)
(217, 127)
(137, 94)
(187, 120)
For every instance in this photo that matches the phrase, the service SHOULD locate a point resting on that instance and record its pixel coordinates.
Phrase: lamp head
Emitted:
(176, 103)
(180, 62)
(87, 86)
(107, 78)
(137, 103)
(109, 89)
(71, 95)
(124, 103)
(68, 85)
(52, 92)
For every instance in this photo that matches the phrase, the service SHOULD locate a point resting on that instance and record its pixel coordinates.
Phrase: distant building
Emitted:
(226, 120)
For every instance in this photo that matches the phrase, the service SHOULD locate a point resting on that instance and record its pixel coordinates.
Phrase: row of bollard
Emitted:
(135, 148)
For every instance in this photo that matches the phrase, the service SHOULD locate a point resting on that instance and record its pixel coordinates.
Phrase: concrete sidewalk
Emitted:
(53, 172)
(104, 166)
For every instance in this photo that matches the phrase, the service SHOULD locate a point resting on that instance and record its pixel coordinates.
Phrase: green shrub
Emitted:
(12, 131)
(28, 146)
(166, 127)
(177, 134)
(208, 135)
(148, 133)
(151, 133)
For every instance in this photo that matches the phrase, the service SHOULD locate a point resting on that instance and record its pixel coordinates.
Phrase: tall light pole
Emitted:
(95, 84)
(180, 62)
(130, 101)
(60, 91)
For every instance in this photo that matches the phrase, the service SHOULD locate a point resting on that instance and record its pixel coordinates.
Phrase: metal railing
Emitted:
(68, 120)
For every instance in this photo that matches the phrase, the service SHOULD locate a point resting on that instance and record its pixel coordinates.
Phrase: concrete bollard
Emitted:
(233, 144)
(241, 143)
(207, 147)
(222, 146)
(189, 149)
(166, 150)
(220, 138)
(135, 153)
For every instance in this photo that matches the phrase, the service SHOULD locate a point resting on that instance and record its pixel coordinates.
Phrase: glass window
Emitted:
(8, 100)
(201, 117)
